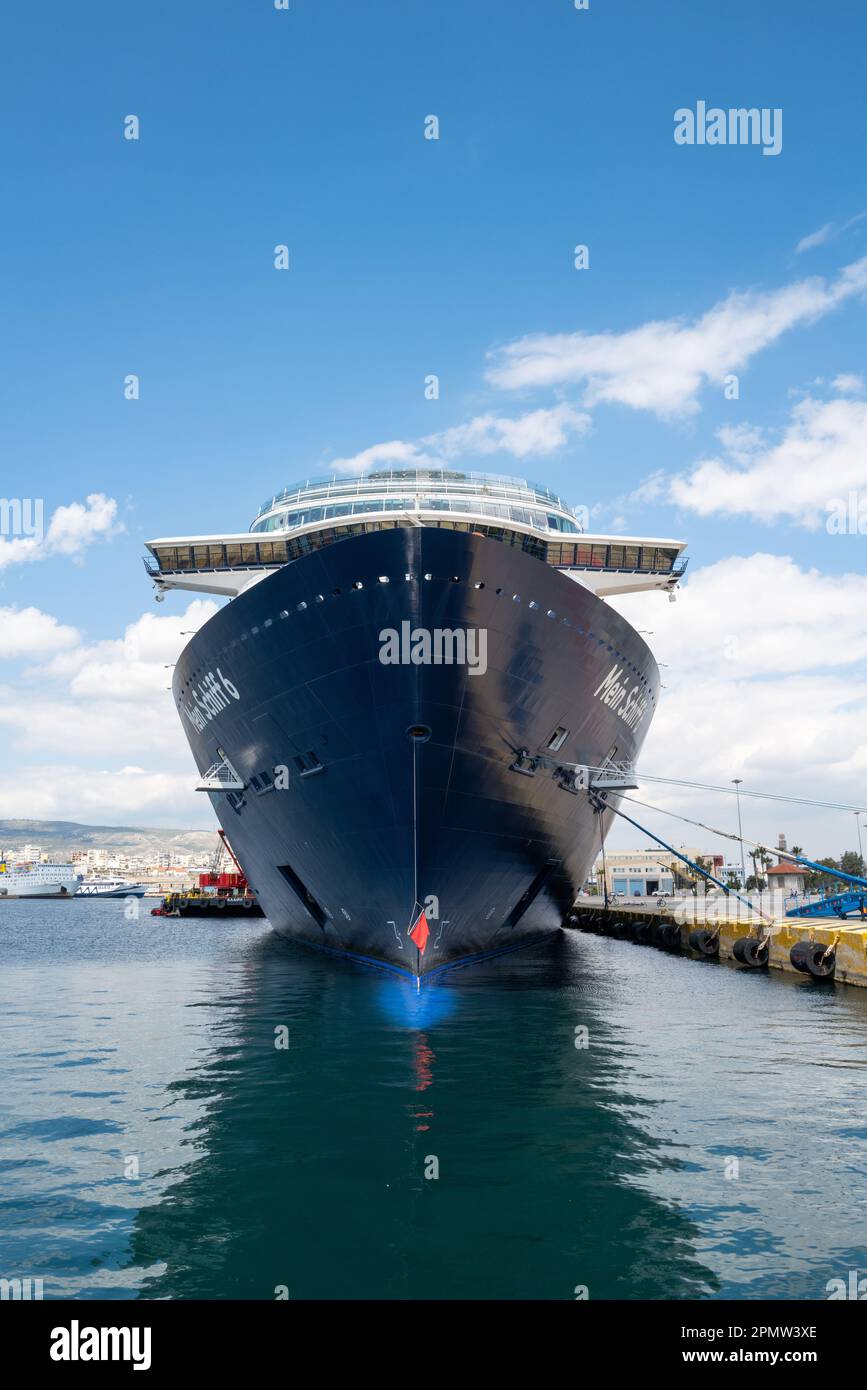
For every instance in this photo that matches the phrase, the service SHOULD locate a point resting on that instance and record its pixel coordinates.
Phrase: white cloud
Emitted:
(394, 453)
(848, 384)
(536, 432)
(829, 232)
(757, 689)
(800, 737)
(28, 632)
(756, 615)
(107, 701)
(650, 489)
(661, 366)
(70, 530)
(820, 457)
(74, 526)
(741, 442)
(127, 795)
(818, 238)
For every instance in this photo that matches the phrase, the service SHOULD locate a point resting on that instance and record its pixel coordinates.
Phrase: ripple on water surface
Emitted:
(156, 1139)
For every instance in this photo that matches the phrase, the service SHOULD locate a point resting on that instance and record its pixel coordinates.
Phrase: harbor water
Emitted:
(194, 1109)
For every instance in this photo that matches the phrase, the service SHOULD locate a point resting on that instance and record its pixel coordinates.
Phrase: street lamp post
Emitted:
(858, 823)
(737, 782)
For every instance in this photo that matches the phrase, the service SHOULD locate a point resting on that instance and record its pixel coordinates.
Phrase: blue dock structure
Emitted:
(848, 904)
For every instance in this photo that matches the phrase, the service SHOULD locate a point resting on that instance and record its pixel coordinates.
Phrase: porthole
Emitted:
(357, 584)
(419, 733)
(383, 579)
(479, 584)
(301, 606)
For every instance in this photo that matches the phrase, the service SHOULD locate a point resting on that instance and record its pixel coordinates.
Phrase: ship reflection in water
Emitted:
(450, 1142)
(406, 1006)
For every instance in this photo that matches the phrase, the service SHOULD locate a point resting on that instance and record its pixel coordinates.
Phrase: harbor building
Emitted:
(788, 878)
(639, 873)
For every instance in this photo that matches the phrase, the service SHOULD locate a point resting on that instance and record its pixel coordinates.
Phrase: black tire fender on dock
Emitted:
(621, 929)
(751, 951)
(666, 935)
(811, 959)
(705, 941)
(641, 935)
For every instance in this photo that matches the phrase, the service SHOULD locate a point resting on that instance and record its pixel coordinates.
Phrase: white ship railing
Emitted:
(220, 777)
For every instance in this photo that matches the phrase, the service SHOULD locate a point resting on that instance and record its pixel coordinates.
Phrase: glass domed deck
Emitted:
(416, 490)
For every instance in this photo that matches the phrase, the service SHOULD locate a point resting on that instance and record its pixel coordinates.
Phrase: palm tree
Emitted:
(761, 859)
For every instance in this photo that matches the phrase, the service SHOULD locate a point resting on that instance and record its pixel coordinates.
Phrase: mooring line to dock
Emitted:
(781, 854)
(729, 891)
(710, 787)
(600, 813)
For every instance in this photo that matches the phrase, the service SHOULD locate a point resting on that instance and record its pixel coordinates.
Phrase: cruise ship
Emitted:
(37, 880)
(406, 711)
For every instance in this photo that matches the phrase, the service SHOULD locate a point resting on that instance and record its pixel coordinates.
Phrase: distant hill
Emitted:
(66, 835)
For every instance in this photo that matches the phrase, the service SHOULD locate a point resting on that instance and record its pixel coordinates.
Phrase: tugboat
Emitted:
(219, 893)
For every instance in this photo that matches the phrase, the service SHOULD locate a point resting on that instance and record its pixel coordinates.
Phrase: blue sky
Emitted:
(453, 257)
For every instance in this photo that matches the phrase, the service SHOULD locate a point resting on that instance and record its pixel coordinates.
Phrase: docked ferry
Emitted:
(109, 886)
(404, 712)
(37, 880)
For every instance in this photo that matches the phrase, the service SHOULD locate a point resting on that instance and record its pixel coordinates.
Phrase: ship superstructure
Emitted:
(306, 517)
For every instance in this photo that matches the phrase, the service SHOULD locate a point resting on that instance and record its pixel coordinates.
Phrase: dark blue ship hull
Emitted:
(374, 790)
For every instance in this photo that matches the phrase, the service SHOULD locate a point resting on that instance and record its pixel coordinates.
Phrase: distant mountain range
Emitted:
(56, 836)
